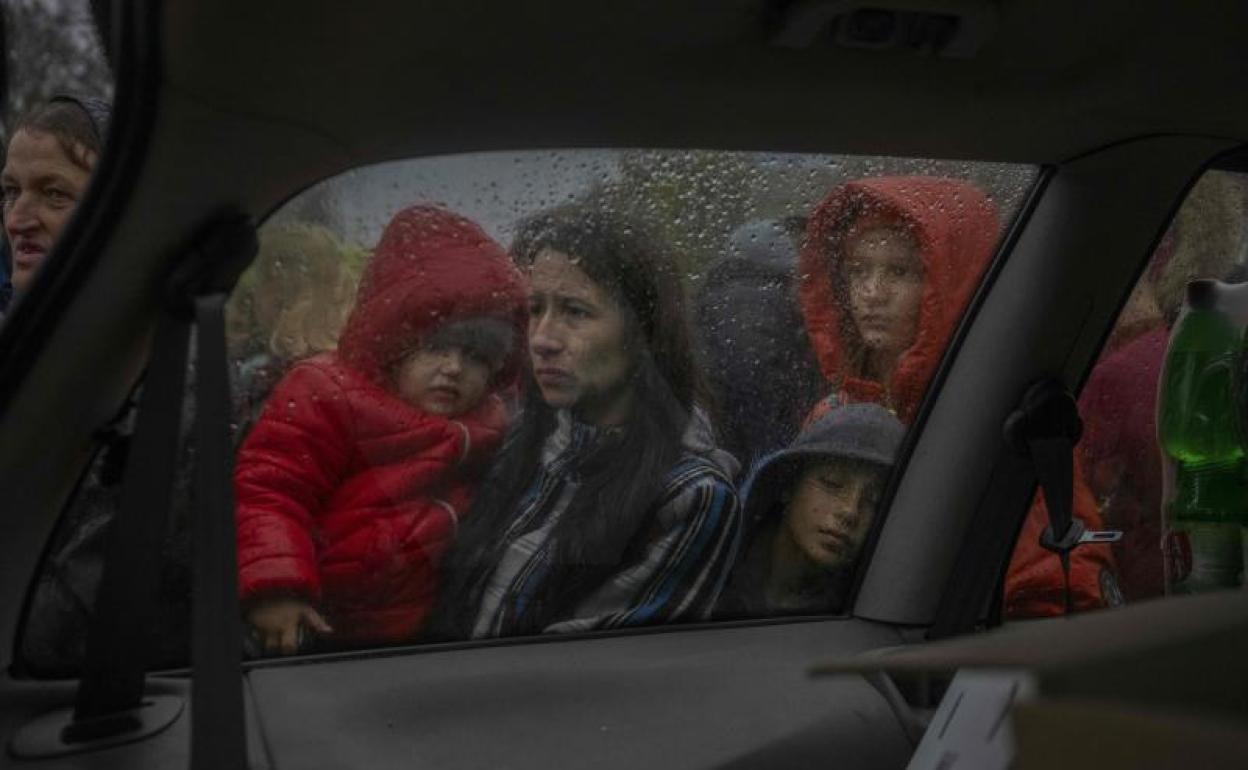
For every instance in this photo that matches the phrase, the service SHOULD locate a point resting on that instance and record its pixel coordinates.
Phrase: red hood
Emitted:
(956, 228)
(430, 266)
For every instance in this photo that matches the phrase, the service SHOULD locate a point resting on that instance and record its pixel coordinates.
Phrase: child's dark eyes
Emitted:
(471, 356)
(904, 271)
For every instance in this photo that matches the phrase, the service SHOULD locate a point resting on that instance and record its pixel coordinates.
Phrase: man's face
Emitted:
(883, 276)
(831, 510)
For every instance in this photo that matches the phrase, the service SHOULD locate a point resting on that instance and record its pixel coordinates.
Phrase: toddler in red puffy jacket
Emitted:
(350, 486)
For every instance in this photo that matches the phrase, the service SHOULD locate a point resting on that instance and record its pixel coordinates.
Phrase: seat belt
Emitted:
(110, 695)
(1046, 427)
(114, 664)
(218, 736)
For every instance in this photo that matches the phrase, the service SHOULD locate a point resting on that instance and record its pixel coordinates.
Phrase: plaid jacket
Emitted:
(691, 544)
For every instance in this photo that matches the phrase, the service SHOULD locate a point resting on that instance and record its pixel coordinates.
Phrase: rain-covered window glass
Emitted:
(1163, 449)
(510, 394)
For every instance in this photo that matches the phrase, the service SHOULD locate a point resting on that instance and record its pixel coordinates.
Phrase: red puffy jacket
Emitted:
(956, 229)
(1120, 458)
(347, 496)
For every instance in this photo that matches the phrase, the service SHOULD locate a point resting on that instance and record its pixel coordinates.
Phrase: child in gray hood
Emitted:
(809, 508)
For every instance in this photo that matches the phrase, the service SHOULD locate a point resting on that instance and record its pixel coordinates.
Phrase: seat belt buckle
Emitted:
(1077, 535)
(1100, 536)
(1071, 539)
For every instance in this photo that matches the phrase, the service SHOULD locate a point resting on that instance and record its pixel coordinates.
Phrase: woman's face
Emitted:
(831, 509)
(883, 276)
(578, 341)
(42, 186)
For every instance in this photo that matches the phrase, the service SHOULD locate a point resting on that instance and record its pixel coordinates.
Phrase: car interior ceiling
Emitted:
(245, 131)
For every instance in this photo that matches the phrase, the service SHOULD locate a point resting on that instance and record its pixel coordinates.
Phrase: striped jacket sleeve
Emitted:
(679, 573)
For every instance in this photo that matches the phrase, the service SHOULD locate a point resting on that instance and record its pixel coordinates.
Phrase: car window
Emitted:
(53, 50)
(506, 394)
(1162, 447)
(57, 90)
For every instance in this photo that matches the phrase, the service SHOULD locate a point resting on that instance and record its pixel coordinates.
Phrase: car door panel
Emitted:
(24, 702)
(730, 697)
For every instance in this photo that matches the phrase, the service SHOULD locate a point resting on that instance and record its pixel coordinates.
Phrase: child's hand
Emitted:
(278, 622)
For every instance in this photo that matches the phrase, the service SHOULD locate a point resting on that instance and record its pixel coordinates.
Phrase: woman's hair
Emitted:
(620, 477)
(293, 300)
(79, 126)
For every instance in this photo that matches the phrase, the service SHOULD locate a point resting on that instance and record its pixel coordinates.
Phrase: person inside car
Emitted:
(887, 269)
(350, 486)
(810, 507)
(47, 165)
(610, 505)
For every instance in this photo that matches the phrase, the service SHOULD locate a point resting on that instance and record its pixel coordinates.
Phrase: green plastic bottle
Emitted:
(1202, 443)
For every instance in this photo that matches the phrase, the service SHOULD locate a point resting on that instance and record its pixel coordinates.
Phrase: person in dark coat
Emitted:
(51, 154)
(757, 359)
(809, 508)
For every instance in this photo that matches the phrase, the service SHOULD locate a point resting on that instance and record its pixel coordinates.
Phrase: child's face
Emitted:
(884, 277)
(831, 509)
(445, 381)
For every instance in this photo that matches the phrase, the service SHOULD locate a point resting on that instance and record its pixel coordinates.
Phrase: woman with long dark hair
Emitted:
(609, 504)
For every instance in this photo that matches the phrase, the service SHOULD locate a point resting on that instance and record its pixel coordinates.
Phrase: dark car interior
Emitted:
(226, 110)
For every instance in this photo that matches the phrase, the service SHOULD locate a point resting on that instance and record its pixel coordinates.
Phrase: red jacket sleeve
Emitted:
(295, 456)
(1034, 585)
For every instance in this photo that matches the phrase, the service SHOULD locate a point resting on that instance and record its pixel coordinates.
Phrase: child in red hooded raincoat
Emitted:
(917, 247)
(351, 483)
